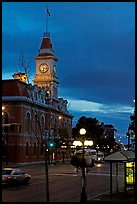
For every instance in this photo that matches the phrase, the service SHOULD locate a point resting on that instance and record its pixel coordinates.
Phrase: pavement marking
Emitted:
(94, 197)
(102, 174)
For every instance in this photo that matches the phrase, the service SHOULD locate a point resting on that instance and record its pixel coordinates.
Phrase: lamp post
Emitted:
(83, 192)
(128, 137)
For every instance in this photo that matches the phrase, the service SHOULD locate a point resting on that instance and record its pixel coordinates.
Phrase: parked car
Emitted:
(14, 175)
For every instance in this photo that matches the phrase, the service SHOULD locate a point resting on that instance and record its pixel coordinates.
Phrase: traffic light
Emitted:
(51, 144)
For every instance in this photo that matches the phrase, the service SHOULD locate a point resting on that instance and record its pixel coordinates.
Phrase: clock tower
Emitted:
(46, 68)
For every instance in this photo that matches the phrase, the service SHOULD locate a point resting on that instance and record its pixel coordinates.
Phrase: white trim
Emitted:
(25, 99)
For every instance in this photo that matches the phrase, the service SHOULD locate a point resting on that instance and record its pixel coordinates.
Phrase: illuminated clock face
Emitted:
(43, 67)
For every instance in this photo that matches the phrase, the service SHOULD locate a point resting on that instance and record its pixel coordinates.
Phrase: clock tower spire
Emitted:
(46, 68)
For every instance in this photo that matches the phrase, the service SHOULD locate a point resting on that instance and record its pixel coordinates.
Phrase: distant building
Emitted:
(108, 138)
(109, 131)
(34, 113)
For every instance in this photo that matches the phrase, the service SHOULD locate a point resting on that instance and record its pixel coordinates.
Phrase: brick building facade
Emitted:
(33, 114)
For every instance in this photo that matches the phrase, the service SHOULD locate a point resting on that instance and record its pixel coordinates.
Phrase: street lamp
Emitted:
(83, 192)
(128, 137)
(3, 110)
(60, 117)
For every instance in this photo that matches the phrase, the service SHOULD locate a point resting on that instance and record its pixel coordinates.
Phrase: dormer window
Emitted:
(35, 95)
(42, 98)
(47, 93)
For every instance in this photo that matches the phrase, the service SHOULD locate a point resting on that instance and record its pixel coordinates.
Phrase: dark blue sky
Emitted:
(95, 43)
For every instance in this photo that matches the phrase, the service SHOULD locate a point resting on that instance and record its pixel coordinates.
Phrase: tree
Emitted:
(91, 125)
(131, 126)
(94, 131)
(23, 64)
(131, 129)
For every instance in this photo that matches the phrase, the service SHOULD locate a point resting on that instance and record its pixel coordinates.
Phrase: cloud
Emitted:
(89, 106)
(117, 115)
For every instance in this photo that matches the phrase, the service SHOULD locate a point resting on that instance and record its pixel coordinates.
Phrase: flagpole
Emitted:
(46, 20)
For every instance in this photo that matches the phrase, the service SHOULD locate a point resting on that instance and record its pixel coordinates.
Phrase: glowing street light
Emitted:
(86, 143)
(77, 143)
(3, 109)
(82, 131)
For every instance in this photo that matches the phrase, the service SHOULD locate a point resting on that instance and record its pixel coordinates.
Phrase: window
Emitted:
(47, 93)
(42, 98)
(35, 96)
(35, 125)
(41, 149)
(34, 149)
(28, 123)
(6, 172)
(42, 126)
(27, 148)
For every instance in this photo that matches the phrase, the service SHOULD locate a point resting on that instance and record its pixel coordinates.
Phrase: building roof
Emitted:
(46, 43)
(46, 50)
(14, 87)
(121, 156)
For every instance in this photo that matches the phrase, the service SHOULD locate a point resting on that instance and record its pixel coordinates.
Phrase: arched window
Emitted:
(42, 126)
(41, 149)
(35, 149)
(35, 125)
(28, 123)
(27, 149)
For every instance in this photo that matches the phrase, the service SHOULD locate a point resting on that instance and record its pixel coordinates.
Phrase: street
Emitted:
(64, 184)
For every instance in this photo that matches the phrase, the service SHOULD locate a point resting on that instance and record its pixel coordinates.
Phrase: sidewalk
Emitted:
(33, 164)
(117, 197)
